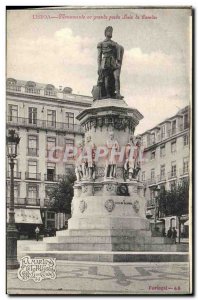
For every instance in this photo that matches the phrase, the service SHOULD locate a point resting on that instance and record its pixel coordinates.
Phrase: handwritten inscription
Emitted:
(37, 268)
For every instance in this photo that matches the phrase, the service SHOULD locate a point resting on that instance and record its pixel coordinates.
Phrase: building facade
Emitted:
(44, 118)
(166, 158)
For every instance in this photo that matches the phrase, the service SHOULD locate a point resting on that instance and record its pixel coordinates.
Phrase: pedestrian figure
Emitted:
(163, 232)
(37, 230)
(169, 233)
(174, 234)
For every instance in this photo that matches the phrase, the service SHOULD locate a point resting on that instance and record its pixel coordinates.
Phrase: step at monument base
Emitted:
(103, 256)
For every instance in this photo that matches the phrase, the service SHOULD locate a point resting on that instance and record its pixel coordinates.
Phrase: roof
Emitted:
(181, 111)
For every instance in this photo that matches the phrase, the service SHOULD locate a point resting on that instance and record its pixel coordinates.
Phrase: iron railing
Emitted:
(43, 124)
(33, 176)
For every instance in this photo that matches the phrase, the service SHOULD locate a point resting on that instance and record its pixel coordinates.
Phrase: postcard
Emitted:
(99, 150)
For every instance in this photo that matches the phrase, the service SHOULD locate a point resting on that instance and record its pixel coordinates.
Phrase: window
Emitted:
(48, 189)
(68, 168)
(32, 90)
(32, 145)
(69, 145)
(152, 155)
(162, 151)
(163, 132)
(13, 112)
(51, 171)
(32, 169)
(51, 145)
(173, 126)
(32, 191)
(173, 146)
(51, 118)
(32, 115)
(186, 139)
(185, 165)
(186, 123)
(16, 190)
(50, 90)
(162, 187)
(173, 169)
(152, 174)
(173, 185)
(162, 172)
(152, 139)
(50, 215)
(69, 119)
(152, 194)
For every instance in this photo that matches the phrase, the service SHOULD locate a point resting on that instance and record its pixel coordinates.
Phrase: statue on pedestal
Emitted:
(79, 167)
(85, 163)
(113, 147)
(89, 157)
(110, 55)
(132, 164)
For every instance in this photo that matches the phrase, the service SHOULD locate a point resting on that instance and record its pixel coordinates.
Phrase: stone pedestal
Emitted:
(108, 214)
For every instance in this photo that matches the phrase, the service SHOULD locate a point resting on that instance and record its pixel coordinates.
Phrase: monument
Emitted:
(108, 221)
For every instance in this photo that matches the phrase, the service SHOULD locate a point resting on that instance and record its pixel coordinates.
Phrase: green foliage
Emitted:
(61, 194)
(175, 201)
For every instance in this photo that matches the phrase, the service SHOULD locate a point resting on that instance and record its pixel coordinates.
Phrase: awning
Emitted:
(27, 215)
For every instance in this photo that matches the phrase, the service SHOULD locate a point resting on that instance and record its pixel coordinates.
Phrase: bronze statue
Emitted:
(110, 56)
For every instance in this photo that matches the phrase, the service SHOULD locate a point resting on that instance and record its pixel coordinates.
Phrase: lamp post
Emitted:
(12, 141)
(156, 189)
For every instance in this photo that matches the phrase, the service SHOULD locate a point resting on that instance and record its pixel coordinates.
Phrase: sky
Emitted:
(155, 75)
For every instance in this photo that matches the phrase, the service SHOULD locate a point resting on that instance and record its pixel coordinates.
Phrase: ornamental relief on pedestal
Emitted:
(82, 206)
(110, 187)
(109, 205)
(84, 189)
(136, 206)
(118, 123)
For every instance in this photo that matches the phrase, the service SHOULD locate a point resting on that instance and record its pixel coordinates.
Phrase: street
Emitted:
(107, 278)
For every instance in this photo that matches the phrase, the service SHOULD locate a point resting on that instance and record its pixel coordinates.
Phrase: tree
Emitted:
(61, 194)
(175, 201)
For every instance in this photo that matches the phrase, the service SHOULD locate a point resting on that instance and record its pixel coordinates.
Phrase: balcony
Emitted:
(161, 177)
(172, 175)
(17, 175)
(184, 172)
(24, 201)
(52, 177)
(150, 203)
(15, 88)
(43, 124)
(32, 176)
(31, 90)
(151, 181)
(33, 201)
(17, 201)
(32, 152)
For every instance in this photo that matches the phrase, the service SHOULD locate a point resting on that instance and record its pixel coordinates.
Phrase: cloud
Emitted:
(64, 57)
(154, 64)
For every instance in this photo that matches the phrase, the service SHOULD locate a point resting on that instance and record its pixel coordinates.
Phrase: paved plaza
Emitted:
(107, 278)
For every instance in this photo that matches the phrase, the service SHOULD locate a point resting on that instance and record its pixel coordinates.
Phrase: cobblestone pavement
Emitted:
(107, 278)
